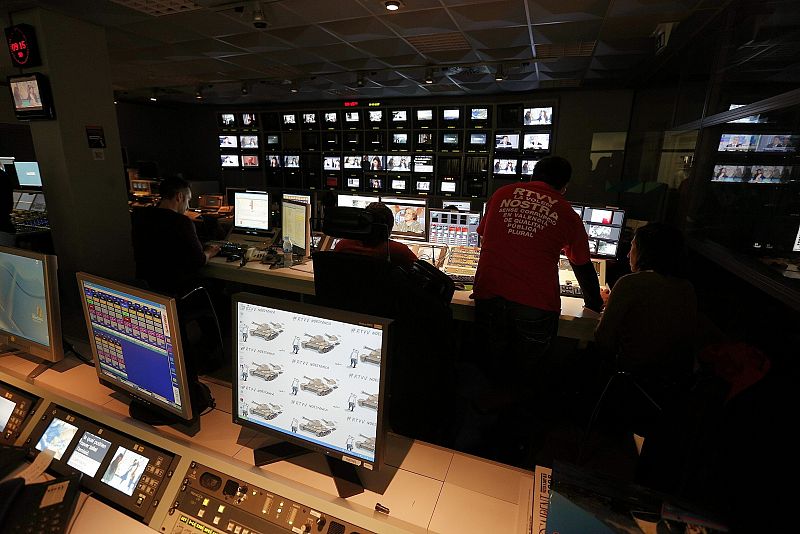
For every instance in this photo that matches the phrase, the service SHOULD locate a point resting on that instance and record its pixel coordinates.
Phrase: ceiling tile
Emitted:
(160, 29)
(122, 40)
(316, 11)
(586, 30)
(516, 36)
(305, 36)
(567, 10)
(651, 7)
(421, 22)
(499, 54)
(336, 52)
(356, 30)
(387, 47)
(489, 15)
(256, 42)
(404, 60)
(210, 24)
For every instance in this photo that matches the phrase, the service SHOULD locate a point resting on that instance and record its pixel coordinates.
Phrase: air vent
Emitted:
(439, 42)
(343, 92)
(158, 8)
(554, 51)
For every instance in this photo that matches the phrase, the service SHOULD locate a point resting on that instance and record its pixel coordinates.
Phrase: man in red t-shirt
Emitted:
(398, 253)
(517, 301)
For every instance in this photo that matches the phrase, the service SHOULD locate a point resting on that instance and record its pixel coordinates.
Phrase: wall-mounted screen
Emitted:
(728, 173)
(506, 141)
(422, 186)
(250, 160)
(226, 120)
(351, 116)
(479, 113)
(229, 160)
(228, 141)
(752, 119)
(738, 142)
(424, 141)
(504, 166)
(332, 163)
(377, 163)
(248, 141)
(451, 114)
(448, 185)
(354, 162)
(330, 118)
(289, 118)
(375, 183)
(353, 182)
(249, 120)
(424, 115)
(477, 139)
(536, 142)
(399, 115)
(537, 116)
(778, 143)
(527, 165)
(375, 115)
(273, 161)
(400, 140)
(398, 184)
(309, 118)
(273, 140)
(423, 164)
(396, 163)
(450, 140)
(291, 162)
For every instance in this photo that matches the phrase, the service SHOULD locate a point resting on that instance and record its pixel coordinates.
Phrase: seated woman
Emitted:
(649, 320)
(398, 253)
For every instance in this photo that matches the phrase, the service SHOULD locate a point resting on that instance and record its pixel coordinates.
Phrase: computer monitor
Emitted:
(251, 210)
(296, 225)
(410, 215)
(31, 96)
(248, 141)
(28, 173)
(30, 318)
(314, 377)
(537, 116)
(332, 163)
(228, 141)
(356, 201)
(455, 228)
(135, 339)
(505, 166)
(506, 141)
(536, 142)
(604, 226)
(423, 164)
(398, 163)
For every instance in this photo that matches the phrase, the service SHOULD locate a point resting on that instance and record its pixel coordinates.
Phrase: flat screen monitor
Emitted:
(450, 205)
(312, 376)
(28, 173)
(451, 114)
(527, 165)
(353, 182)
(423, 164)
(536, 142)
(354, 162)
(448, 185)
(136, 344)
(226, 120)
(250, 161)
(477, 139)
(767, 174)
(375, 116)
(424, 141)
(228, 141)
(422, 186)
(309, 118)
(450, 140)
(356, 201)
(351, 140)
(351, 117)
(16, 197)
(506, 141)
(398, 184)
(30, 317)
(738, 142)
(399, 115)
(289, 119)
(330, 118)
(249, 120)
(248, 141)
(454, 228)
(291, 162)
(273, 161)
(31, 96)
(296, 225)
(604, 226)
(537, 116)
(377, 163)
(375, 183)
(251, 210)
(332, 163)
(728, 173)
(505, 166)
(769, 143)
(273, 140)
(424, 115)
(400, 141)
(410, 216)
(229, 160)
(396, 163)
(479, 114)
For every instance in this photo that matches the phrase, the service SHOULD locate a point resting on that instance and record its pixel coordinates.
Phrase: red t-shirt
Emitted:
(399, 254)
(525, 228)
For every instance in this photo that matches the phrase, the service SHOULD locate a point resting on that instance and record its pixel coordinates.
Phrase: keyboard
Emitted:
(461, 263)
(571, 290)
(228, 249)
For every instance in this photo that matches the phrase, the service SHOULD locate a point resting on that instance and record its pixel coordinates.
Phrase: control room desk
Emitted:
(429, 489)
(576, 321)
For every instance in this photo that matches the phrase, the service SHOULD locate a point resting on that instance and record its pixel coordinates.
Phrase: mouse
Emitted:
(459, 286)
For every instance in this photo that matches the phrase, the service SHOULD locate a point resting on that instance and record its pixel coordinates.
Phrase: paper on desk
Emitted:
(36, 469)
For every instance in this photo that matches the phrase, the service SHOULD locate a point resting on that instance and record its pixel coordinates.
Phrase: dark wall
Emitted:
(180, 139)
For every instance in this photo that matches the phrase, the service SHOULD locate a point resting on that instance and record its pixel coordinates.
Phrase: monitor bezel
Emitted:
(28, 186)
(55, 352)
(333, 315)
(249, 229)
(186, 412)
(305, 251)
(47, 109)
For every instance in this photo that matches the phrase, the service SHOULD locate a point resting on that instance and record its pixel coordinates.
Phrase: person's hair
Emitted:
(171, 186)
(383, 216)
(660, 248)
(553, 170)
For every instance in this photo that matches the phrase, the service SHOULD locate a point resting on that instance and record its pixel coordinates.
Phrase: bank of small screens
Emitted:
(604, 226)
(29, 313)
(296, 225)
(311, 375)
(251, 210)
(136, 344)
(455, 228)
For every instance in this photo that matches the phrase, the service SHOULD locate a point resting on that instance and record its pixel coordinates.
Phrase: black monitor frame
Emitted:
(45, 110)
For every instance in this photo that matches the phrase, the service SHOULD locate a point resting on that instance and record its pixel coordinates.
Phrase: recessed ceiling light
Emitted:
(392, 5)
(499, 76)
(429, 76)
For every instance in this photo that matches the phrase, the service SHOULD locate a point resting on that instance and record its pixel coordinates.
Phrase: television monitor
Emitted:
(289, 119)
(326, 391)
(16, 197)
(309, 118)
(451, 141)
(375, 183)
(506, 141)
(375, 116)
(423, 164)
(248, 141)
(477, 139)
(330, 120)
(398, 184)
(332, 182)
(352, 117)
(310, 141)
(752, 119)
(296, 197)
(399, 116)
(377, 163)
(228, 141)
(398, 163)
(479, 113)
(293, 141)
(250, 161)
(374, 141)
(604, 227)
(273, 161)
(296, 225)
(30, 317)
(356, 201)
(331, 163)
(451, 114)
(229, 160)
(422, 186)
(400, 141)
(28, 174)
(330, 140)
(273, 140)
(527, 165)
(536, 142)
(765, 174)
(424, 118)
(505, 166)
(353, 182)
(31, 97)
(738, 142)
(537, 116)
(728, 173)
(410, 216)
(251, 211)
(770, 143)
(448, 185)
(249, 120)
(454, 228)
(291, 162)
(226, 120)
(135, 339)
(424, 141)
(354, 162)
(352, 141)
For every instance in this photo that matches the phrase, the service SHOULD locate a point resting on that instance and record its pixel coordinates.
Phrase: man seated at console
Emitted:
(166, 248)
(378, 244)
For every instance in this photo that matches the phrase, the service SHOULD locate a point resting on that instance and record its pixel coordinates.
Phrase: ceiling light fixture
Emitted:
(244, 88)
(499, 76)
(360, 79)
(198, 94)
(259, 20)
(429, 76)
(293, 88)
(154, 96)
(392, 5)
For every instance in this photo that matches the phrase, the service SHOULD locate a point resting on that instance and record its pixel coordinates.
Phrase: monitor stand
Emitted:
(344, 475)
(200, 397)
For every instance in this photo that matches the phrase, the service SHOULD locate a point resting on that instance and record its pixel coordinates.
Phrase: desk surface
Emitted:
(431, 489)
(576, 321)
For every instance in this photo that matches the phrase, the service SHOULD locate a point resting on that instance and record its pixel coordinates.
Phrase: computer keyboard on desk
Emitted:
(228, 249)
(571, 290)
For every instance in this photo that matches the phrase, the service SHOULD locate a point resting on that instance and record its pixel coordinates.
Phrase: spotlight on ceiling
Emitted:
(392, 5)
(360, 79)
(154, 96)
(259, 20)
(293, 88)
(245, 90)
(198, 94)
(499, 76)
(429, 76)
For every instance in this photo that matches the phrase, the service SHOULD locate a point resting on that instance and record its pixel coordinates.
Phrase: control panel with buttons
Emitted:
(16, 408)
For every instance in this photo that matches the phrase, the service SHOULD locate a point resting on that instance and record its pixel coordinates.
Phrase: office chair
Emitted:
(201, 334)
